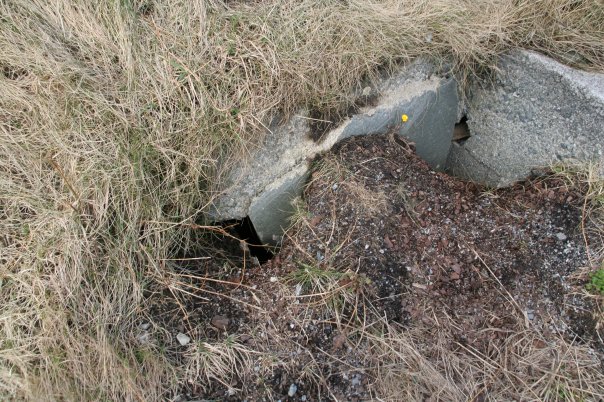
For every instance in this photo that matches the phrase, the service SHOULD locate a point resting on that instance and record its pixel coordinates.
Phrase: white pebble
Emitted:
(144, 337)
(273, 279)
(292, 390)
(183, 339)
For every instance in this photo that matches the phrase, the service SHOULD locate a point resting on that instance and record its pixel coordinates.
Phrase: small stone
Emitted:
(303, 398)
(145, 337)
(183, 339)
(339, 341)
(220, 322)
(145, 326)
(292, 390)
(561, 236)
(273, 279)
(530, 314)
(315, 220)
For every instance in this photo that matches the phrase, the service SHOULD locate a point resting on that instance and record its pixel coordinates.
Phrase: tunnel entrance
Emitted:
(243, 229)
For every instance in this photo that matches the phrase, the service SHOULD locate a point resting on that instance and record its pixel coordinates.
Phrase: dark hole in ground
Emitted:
(244, 230)
(461, 132)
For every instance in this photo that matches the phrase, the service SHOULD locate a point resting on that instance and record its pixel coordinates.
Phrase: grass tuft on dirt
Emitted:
(117, 121)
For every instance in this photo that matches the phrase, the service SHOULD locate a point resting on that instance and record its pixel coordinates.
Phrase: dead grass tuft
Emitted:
(222, 362)
(117, 120)
(429, 361)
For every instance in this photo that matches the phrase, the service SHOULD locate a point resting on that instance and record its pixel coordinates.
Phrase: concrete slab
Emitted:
(536, 113)
(275, 173)
(270, 212)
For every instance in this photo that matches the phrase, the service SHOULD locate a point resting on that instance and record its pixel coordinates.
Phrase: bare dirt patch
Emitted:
(401, 283)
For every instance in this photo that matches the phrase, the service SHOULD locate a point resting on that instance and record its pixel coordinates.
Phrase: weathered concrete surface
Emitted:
(537, 112)
(271, 210)
(264, 186)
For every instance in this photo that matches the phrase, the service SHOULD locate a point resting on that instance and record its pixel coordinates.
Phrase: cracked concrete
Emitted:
(274, 175)
(537, 112)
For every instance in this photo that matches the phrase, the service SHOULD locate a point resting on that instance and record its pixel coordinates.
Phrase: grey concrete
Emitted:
(535, 113)
(271, 210)
(264, 185)
(432, 116)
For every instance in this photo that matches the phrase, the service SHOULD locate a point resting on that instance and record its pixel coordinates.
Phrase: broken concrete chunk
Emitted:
(537, 112)
(264, 186)
(270, 212)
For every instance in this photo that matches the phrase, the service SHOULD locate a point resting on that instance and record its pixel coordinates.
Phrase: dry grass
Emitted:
(430, 361)
(331, 169)
(117, 120)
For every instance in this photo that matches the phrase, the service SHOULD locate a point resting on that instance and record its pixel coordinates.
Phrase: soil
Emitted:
(419, 245)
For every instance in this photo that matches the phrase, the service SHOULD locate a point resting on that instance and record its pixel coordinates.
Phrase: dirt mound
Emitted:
(401, 283)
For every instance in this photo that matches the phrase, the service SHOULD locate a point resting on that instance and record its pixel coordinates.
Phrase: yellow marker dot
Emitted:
(404, 118)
